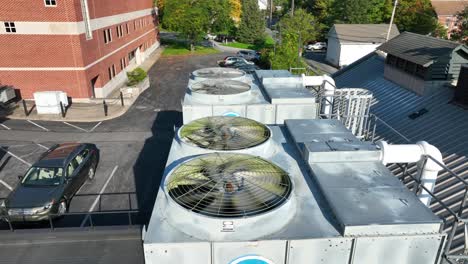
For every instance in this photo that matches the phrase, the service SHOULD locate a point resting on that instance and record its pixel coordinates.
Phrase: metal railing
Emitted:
(89, 216)
(371, 133)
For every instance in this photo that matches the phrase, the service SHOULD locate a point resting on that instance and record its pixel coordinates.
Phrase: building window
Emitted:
(128, 28)
(107, 35)
(131, 55)
(139, 21)
(111, 71)
(134, 25)
(50, 2)
(10, 27)
(119, 31)
(123, 64)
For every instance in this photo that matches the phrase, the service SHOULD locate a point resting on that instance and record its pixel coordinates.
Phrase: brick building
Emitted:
(447, 10)
(81, 47)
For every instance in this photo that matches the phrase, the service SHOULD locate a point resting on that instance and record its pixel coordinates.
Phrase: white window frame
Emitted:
(111, 72)
(50, 1)
(107, 35)
(119, 31)
(10, 27)
(123, 63)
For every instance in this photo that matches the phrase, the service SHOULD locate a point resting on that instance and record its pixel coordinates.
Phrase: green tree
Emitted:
(193, 19)
(295, 31)
(461, 32)
(252, 25)
(416, 16)
(361, 11)
(302, 26)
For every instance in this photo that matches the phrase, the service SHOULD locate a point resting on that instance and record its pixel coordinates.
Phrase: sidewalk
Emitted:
(87, 112)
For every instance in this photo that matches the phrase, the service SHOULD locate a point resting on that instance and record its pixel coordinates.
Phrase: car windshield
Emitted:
(43, 176)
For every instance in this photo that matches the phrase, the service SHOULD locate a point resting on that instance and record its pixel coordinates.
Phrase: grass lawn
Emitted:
(268, 43)
(178, 49)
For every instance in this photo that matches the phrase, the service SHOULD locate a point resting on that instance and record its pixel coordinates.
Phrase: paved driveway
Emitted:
(134, 149)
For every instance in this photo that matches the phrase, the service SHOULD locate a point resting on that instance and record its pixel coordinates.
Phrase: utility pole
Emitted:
(292, 8)
(391, 20)
(271, 13)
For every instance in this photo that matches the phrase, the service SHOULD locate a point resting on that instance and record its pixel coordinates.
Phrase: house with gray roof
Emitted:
(402, 116)
(423, 64)
(350, 42)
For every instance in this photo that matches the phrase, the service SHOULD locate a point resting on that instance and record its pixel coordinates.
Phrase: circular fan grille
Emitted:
(218, 73)
(220, 87)
(228, 185)
(224, 133)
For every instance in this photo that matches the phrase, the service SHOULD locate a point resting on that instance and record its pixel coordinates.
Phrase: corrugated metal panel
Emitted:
(444, 125)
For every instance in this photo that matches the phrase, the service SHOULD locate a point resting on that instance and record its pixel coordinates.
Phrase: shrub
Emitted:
(136, 76)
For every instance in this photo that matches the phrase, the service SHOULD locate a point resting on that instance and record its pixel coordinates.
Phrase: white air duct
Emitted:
(415, 153)
(328, 85)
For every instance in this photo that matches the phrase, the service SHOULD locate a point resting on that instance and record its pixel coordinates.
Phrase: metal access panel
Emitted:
(331, 250)
(306, 111)
(228, 252)
(331, 151)
(180, 253)
(263, 113)
(192, 112)
(229, 110)
(397, 249)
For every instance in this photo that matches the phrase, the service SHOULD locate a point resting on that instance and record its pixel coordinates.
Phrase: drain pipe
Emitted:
(415, 153)
(328, 85)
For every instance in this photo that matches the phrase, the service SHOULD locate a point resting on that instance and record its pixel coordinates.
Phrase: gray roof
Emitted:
(419, 49)
(444, 125)
(362, 33)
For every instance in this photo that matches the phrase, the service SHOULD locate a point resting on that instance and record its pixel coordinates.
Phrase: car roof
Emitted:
(59, 155)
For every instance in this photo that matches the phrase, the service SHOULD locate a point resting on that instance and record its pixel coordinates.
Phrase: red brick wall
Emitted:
(102, 8)
(35, 10)
(77, 84)
(72, 82)
(96, 48)
(451, 26)
(40, 51)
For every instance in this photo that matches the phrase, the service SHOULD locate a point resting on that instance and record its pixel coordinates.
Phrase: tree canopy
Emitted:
(252, 26)
(461, 32)
(416, 16)
(193, 19)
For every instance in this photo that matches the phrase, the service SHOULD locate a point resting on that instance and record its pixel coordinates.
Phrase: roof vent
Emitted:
(461, 92)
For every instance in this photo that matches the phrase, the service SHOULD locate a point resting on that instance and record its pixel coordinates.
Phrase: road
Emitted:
(134, 149)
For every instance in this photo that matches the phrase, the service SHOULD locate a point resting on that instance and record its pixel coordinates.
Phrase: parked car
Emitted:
(317, 46)
(248, 55)
(210, 36)
(244, 66)
(232, 59)
(49, 185)
(224, 38)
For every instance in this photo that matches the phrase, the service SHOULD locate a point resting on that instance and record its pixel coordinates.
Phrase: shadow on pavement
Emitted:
(150, 164)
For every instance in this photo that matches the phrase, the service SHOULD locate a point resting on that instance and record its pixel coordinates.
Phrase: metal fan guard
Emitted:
(218, 87)
(228, 185)
(230, 133)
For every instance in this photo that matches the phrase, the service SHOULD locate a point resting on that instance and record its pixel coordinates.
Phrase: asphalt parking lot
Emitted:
(133, 147)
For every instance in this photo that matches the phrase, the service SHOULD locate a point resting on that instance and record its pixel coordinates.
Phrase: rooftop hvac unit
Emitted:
(333, 201)
(260, 98)
(217, 73)
(49, 102)
(213, 188)
(215, 91)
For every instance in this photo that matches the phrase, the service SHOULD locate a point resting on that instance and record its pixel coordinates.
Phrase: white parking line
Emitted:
(42, 146)
(6, 185)
(100, 193)
(39, 126)
(77, 127)
(92, 129)
(7, 128)
(14, 156)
